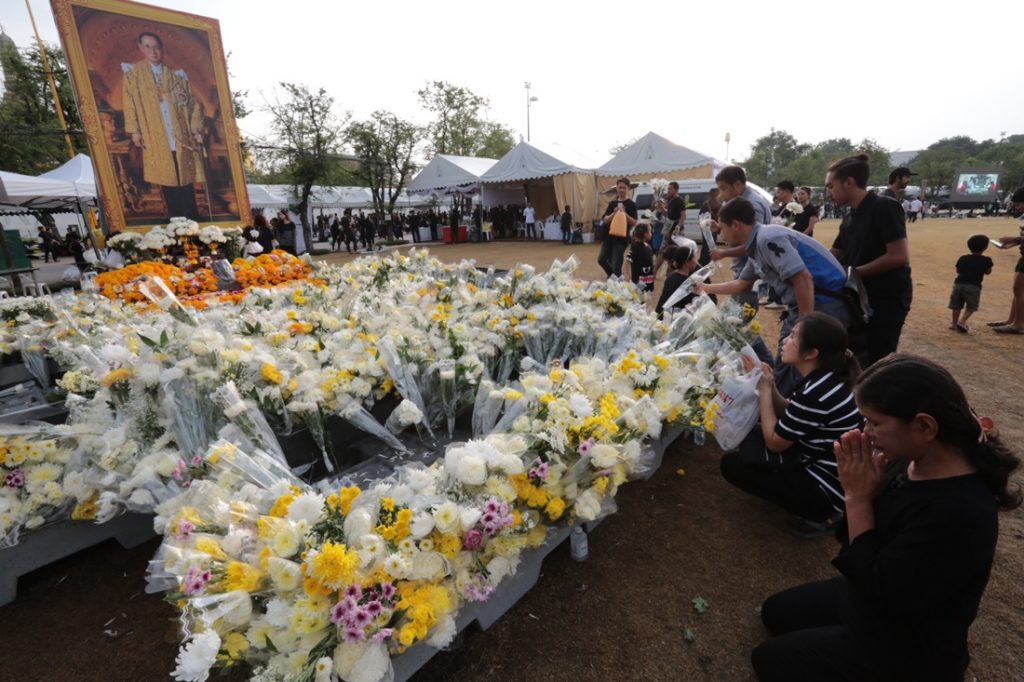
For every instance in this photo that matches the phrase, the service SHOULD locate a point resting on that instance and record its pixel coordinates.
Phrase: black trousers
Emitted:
(810, 643)
(181, 202)
(881, 336)
(613, 251)
(767, 475)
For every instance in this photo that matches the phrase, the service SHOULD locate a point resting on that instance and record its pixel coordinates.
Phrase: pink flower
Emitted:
(354, 591)
(387, 590)
(384, 633)
(352, 634)
(474, 540)
(586, 446)
(361, 617)
(338, 612)
(374, 608)
(15, 479)
(185, 529)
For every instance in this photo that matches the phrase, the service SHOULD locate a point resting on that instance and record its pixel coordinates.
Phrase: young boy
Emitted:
(970, 270)
(640, 260)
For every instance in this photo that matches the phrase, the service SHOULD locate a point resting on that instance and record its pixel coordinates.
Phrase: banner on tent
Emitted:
(152, 88)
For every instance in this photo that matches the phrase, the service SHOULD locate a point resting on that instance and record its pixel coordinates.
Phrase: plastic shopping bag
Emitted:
(738, 408)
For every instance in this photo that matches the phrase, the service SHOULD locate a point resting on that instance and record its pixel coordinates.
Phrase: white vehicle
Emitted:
(693, 192)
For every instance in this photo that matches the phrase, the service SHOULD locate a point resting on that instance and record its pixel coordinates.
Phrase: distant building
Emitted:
(898, 158)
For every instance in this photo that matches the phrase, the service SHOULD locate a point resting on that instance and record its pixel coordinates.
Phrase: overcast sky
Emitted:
(904, 73)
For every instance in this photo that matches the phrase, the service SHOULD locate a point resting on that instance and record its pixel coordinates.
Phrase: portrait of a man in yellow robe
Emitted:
(165, 121)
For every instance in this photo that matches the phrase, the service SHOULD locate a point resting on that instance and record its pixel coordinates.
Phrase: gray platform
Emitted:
(54, 541)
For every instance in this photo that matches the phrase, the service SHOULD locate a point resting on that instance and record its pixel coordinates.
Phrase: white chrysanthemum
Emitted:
(428, 566)
(422, 524)
(287, 575)
(446, 516)
(372, 666)
(39, 475)
(197, 657)
(443, 634)
(306, 507)
(396, 566)
(587, 505)
(279, 613)
(149, 373)
(580, 405)
(322, 669)
(604, 456)
(471, 470)
(358, 523)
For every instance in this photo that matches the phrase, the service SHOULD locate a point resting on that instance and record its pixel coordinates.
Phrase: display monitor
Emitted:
(976, 185)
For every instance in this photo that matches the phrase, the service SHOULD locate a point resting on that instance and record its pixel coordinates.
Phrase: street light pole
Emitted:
(528, 101)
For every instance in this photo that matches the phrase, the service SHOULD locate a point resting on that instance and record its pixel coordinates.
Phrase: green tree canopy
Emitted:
(31, 139)
(385, 145)
(459, 126)
(304, 145)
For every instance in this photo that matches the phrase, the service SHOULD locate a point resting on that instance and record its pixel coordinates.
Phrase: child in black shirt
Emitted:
(640, 260)
(970, 270)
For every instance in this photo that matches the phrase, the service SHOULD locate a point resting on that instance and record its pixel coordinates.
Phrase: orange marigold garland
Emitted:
(276, 267)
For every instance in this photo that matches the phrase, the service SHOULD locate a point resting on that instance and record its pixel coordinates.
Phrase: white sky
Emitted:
(905, 73)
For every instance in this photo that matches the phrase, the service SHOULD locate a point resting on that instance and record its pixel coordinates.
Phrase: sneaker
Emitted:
(808, 530)
(774, 306)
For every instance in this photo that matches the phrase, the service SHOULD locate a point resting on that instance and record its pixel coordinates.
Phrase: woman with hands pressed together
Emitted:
(788, 458)
(923, 484)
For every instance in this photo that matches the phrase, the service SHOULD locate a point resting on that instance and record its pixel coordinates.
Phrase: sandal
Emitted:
(1007, 330)
(997, 324)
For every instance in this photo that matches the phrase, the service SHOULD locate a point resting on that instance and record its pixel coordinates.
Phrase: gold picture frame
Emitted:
(163, 139)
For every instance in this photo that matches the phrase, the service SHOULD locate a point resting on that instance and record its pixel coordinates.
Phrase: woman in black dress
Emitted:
(923, 485)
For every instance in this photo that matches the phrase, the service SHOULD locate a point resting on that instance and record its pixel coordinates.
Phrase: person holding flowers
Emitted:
(787, 459)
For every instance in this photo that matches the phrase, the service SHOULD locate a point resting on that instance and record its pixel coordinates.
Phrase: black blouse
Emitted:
(915, 581)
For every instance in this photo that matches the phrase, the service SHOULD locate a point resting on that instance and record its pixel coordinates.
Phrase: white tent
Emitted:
(547, 182)
(31, 192)
(445, 172)
(79, 172)
(653, 156)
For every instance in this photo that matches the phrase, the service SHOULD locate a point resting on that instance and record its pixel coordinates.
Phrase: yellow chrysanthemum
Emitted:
(271, 373)
(241, 576)
(334, 565)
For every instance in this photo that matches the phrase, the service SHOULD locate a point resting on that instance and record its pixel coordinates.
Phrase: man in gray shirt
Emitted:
(798, 267)
(732, 184)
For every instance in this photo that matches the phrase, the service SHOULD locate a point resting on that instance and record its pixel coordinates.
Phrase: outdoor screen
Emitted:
(976, 184)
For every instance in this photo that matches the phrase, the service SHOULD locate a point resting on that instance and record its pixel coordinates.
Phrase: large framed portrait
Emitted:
(152, 90)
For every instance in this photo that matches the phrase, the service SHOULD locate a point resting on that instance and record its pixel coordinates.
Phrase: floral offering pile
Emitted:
(548, 391)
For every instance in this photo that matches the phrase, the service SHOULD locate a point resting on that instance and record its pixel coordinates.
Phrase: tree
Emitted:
(305, 144)
(31, 139)
(615, 149)
(459, 126)
(384, 144)
(770, 154)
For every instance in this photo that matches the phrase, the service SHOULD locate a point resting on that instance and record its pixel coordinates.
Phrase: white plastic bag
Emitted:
(71, 274)
(738, 408)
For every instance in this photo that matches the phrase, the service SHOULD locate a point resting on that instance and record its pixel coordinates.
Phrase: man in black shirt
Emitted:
(674, 207)
(613, 248)
(898, 181)
(873, 240)
(567, 226)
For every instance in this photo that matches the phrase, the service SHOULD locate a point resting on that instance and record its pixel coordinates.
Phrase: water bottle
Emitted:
(698, 437)
(578, 542)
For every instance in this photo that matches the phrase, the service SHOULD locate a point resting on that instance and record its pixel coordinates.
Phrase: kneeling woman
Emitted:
(788, 458)
(924, 483)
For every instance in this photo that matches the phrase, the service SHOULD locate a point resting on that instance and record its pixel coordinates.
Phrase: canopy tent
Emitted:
(653, 156)
(546, 182)
(324, 197)
(27, 191)
(451, 173)
(79, 172)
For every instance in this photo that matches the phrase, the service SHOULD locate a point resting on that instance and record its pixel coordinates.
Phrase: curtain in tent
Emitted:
(579, 192)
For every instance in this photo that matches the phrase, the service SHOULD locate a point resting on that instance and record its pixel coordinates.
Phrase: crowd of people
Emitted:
(891, 458)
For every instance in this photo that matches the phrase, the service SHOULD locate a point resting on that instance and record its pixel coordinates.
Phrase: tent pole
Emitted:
(53, 84)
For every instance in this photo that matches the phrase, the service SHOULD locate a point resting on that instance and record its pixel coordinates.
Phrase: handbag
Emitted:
(855, 296)
(620, 225)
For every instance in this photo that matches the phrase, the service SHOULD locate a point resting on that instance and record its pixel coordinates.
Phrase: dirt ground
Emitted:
(622, 614)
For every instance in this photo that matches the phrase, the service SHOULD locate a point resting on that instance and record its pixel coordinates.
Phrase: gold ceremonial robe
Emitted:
(144, 115)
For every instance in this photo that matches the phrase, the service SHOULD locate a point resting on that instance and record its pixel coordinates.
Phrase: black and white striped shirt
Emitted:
(820, 410)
